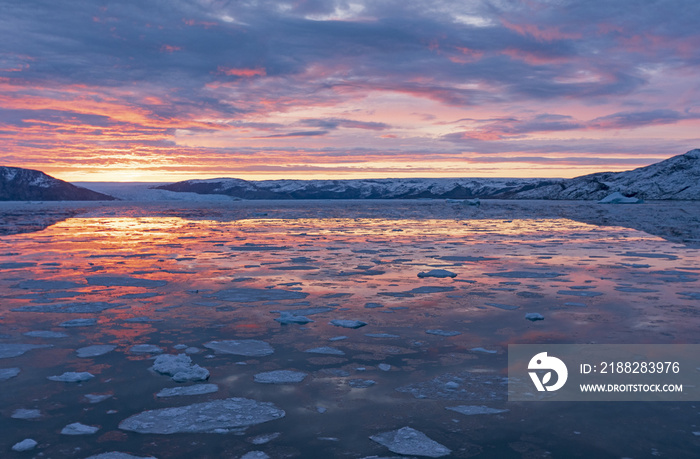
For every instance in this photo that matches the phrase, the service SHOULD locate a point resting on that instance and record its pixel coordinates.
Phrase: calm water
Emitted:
(212, 278)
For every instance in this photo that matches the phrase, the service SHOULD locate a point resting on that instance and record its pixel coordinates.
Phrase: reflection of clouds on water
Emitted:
(256, 294)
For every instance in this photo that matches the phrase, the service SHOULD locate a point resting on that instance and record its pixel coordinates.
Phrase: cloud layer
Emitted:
(165, 90)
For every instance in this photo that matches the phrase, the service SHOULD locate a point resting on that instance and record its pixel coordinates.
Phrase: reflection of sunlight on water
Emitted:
(571, 272)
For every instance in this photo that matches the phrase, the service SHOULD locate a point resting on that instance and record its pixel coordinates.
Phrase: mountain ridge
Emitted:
(676, 178)
(19, 184)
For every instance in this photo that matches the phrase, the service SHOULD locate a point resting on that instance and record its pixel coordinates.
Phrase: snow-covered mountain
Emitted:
(675, 178)
(17, 184)
(403, 188)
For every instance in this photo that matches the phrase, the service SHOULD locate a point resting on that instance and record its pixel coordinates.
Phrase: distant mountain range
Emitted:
(17, 184)
(676, 178)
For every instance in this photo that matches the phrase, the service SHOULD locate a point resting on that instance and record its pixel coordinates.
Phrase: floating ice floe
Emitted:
(118, 455)
(79, 429)
(72, 376)
(8, 373)
(443, 332)
(485, 351)
(410, 442)
(180, 368)
(96, 398)
(212, 417)
(649, 255)
(78, 323)
(287, 318)
(346, 323)
(15, 349)
(245, 347)
(145, 349)
(619, 198)
(124, 281)
(255, 455)
(439, 273)
(325, 350)
(582, 293)
(507, 307)
(23, 413)
(27, 444)
(534, 316)
(250, 295)
(382, 335)
(361, 383)
(525, 274)
(197, 389)
(384, 366)
(70, 308)
(95, 350)
(280, 377)
(470, 410)
(45, 334)
(373, 305)
(264, 438)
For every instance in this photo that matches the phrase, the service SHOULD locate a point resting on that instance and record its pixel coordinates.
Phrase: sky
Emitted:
(172, 90)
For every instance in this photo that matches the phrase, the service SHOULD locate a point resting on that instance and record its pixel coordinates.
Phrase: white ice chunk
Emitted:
(410, 442)
(619, 198)
(280, 377)
(246, 347)
(25, 445)
(325, 350)
(95, 350)
(439, 273)
(7, 373)
(255, 455)
(218, 415)
(79, 429)
(197, 389)
(45, 334)
(72, 376)
(15, 349)
(23, 413)
(534, 316)
(348, 323)
(470, 410)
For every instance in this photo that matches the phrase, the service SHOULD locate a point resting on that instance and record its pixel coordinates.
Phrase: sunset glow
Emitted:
(167, 91)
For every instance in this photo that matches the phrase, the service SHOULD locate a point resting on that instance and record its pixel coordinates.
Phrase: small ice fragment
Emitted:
(325, 350)
(193, 350)
(264, 438)
(373, 305)
(145, 349)
(585, 293)
(180, 347)
(361, 383)
(96, 398)
(481, 349)
(287, 318)
(384, 366)
(348, 323)
(255, 455)
(197, 389)
(321, 409)
(578, 305)
(79, 429)
(506, 307)
(381, 335)
(95, 350)
(470, 410)
(79, 323)
(534, 316)
(118, 455)
(443, 332)
(45, 334)
(23, 413)
(280, 377)
(410, 442)
(337, 338)
(7, 373)
(439, 273)
(180, 368)
(452, 385)
(245, 347)
(25, 445)
(72, 376)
